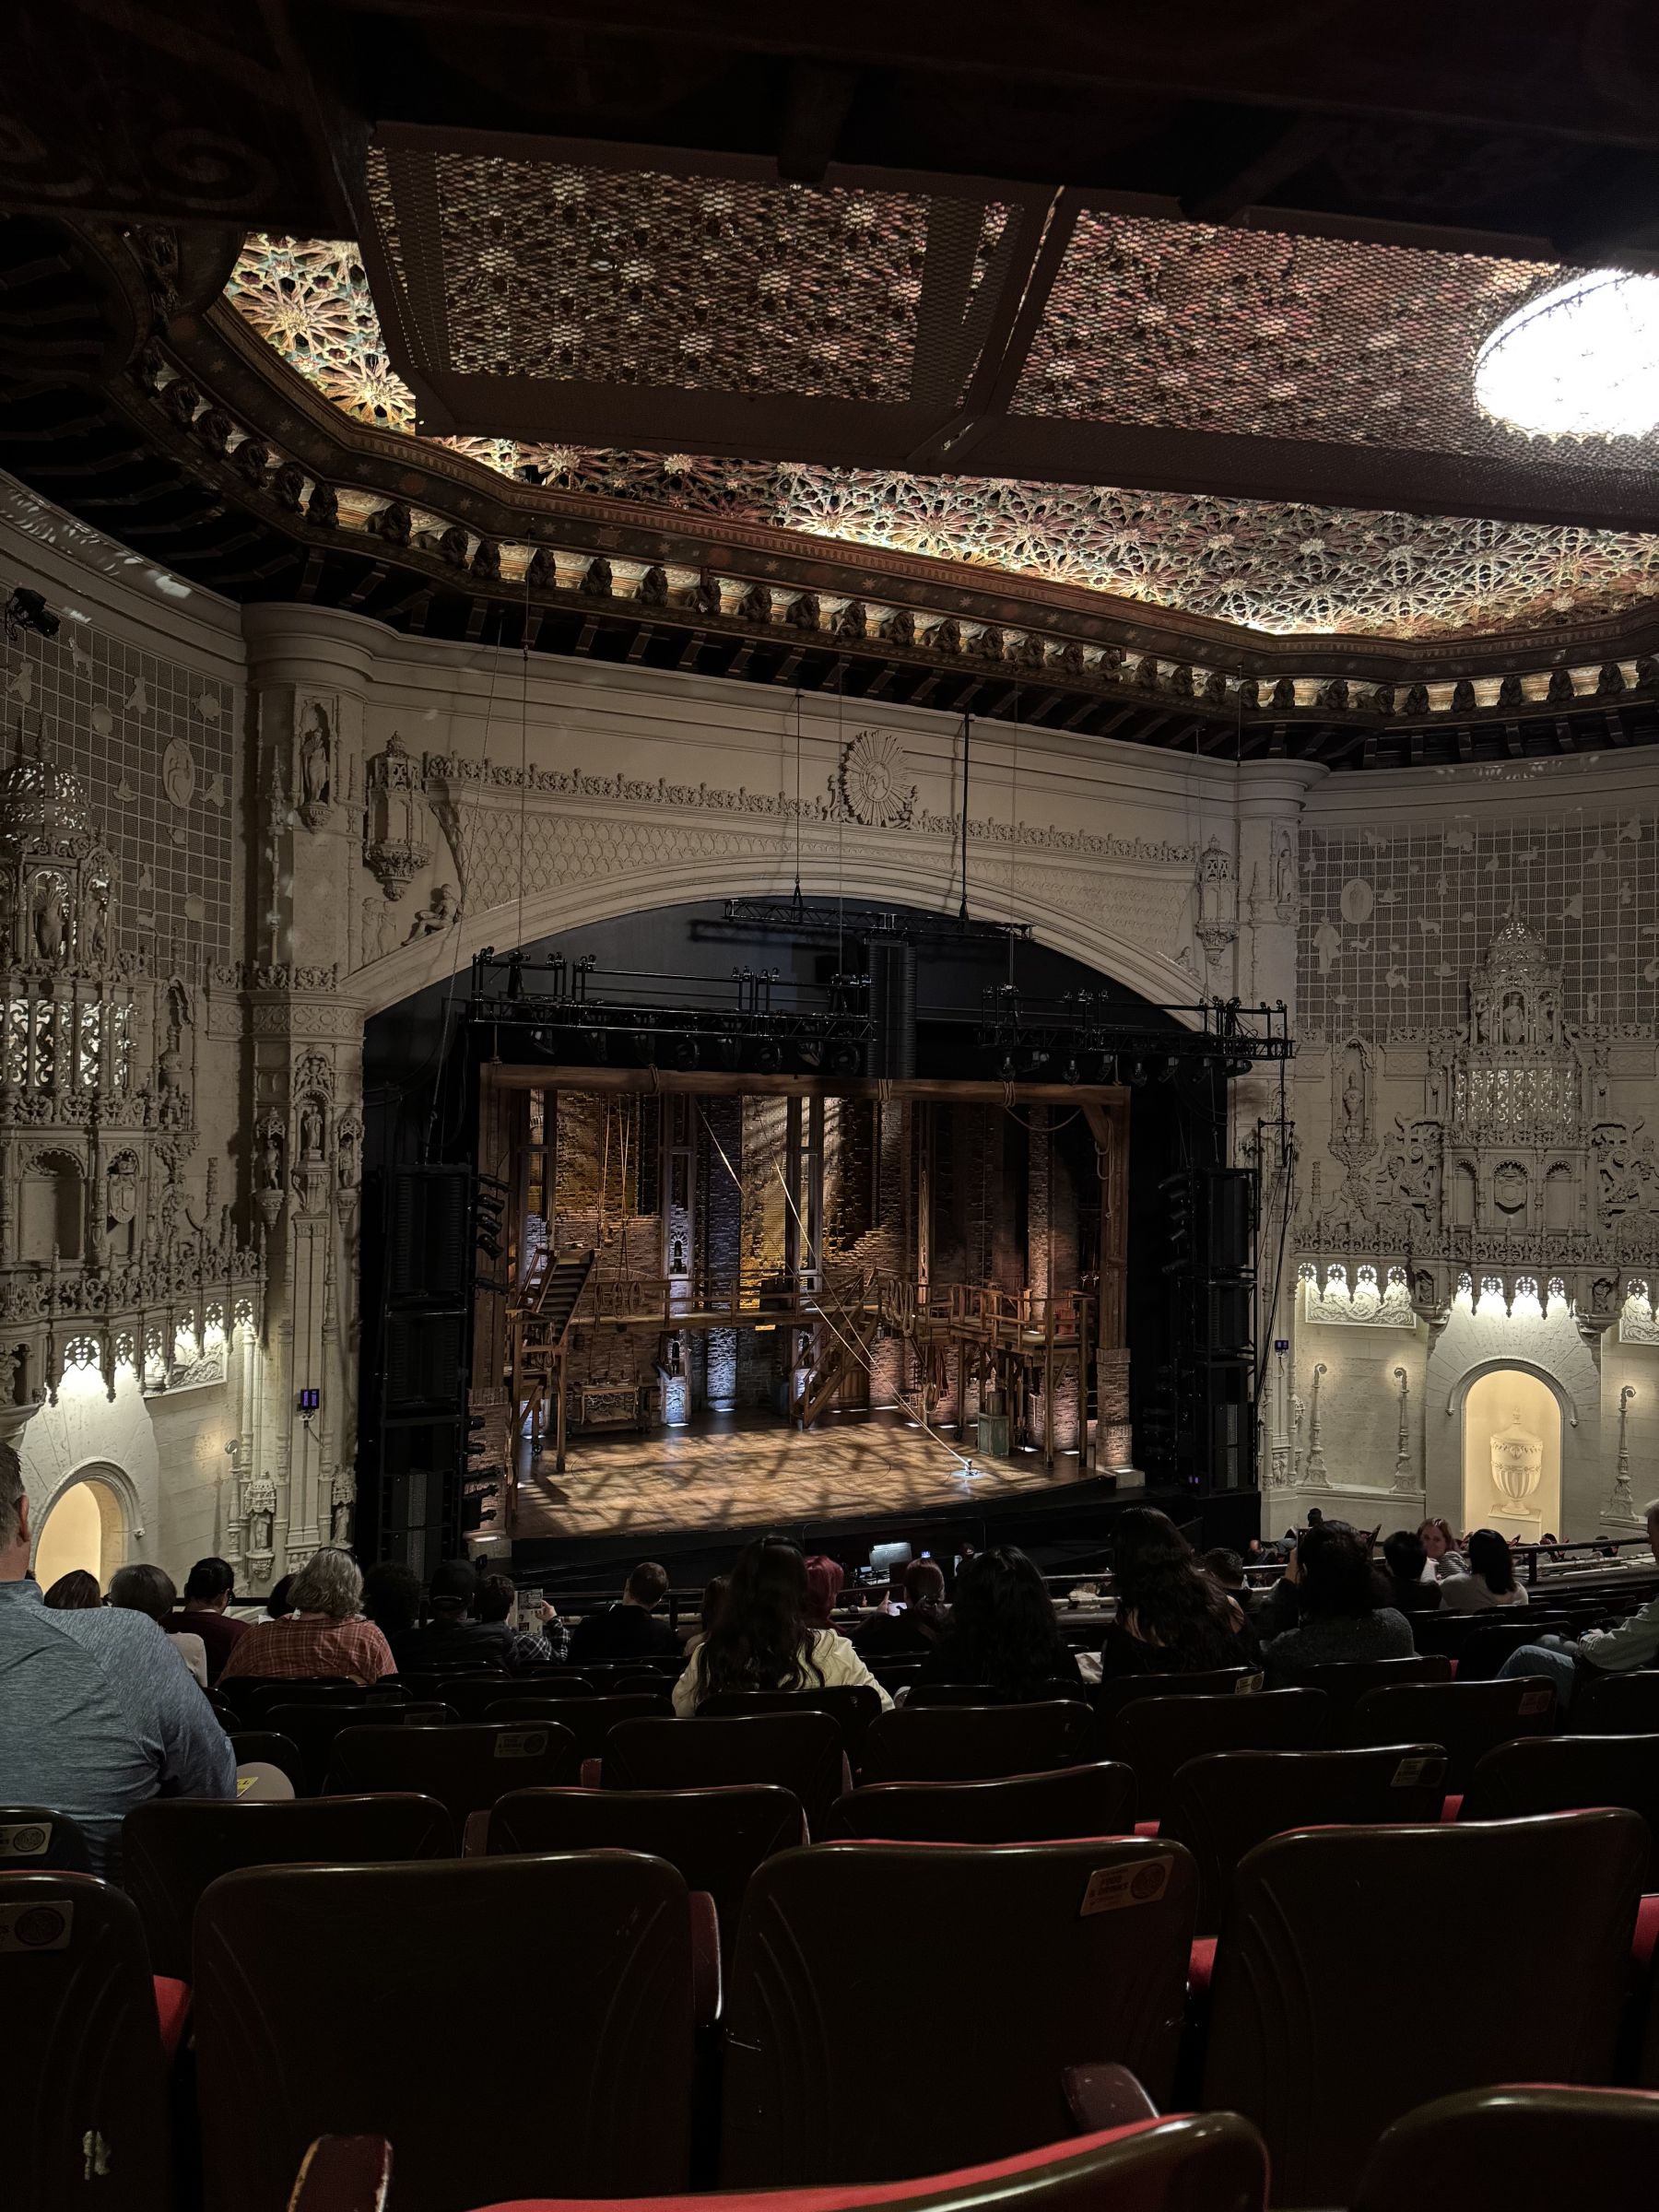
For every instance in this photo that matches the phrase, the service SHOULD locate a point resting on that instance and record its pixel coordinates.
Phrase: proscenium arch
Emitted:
(553, 911)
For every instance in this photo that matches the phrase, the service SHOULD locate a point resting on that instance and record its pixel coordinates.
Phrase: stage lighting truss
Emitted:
(755, 1021)
(1090, 1037)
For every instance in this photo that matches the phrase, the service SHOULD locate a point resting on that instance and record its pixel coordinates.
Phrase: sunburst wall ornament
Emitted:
(869, 783)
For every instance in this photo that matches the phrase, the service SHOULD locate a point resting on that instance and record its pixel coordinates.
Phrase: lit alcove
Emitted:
(1512, 1440)
(85, 1528)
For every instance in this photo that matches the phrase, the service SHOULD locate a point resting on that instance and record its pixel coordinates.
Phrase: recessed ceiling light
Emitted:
(1581, 360)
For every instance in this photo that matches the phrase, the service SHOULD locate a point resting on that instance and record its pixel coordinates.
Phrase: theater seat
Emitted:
(1469, 1719)
(1200, 2162)
(1523, 2150)
(1618, 1704)
(589, 1719)
(1158, 1736)
(1346, 1681)
(716, 1838)
(465, 1768)
(800, 1751)
(172, 1849)
(853, 1705)
(34, 1840)
(974, 1743)
(1045, 1958)
(569, 1980)
(1222, 1806)
(1563, 1774)
(1323, 2054)
(1097, 1800)
(1118, 1691)
(85, 2095)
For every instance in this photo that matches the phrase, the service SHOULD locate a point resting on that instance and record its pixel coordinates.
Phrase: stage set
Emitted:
(726, 1301)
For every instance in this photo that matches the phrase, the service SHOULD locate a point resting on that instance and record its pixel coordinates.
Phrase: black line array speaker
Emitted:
(424, 1342)
(892, 1051)
(1211, 1267)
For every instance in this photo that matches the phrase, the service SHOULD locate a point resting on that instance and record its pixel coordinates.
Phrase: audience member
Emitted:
(392, 1598)
(1003, 1633)
(1340, 1616)
(761, 1636)
(145, 1589)
(629, 1629)
(324, 1636)
(208, 1589)
(451, 1632)
(1172, 1617)
(1440, 1546)
(913, 1626)
(1490, 1581)
(824, 1580)
(1225, 1567)
(547, 1646)
(99, 1715)
(1405, 1557)
(713, 1591)
(76, 1592)
(278, 1605)
(1620, 1650)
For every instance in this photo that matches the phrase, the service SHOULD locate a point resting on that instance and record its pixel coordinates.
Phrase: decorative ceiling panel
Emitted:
(557, 271)
(1275, 567)
(1256, 334)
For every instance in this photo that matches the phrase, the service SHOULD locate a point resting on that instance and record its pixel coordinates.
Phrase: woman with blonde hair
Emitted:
(1440, 1545)
(324, 1635)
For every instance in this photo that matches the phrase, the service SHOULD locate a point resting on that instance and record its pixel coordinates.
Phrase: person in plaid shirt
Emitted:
(551, 1647)
(324, 1635)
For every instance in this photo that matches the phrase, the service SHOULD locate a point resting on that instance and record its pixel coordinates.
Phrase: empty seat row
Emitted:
(330, 1999)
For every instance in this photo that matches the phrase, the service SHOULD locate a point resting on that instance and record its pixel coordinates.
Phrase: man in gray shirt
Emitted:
(96, 1712)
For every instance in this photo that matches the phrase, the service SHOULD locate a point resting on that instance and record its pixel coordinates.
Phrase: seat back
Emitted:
(1223, 1805)
(471, 1695)
(172, 1848)
(853, 1705)
(465, 1768)
(1323, 2054)
(265, 1747)
(1119, 1690)
(973, 1693)
(607, 1934)
(975, 1743)
(1468, 1718)
(1507, 2150)
(716, 1838)
(1616, 1704)
(801, 1751)
(589, 1719)
(1490, 1642)
(1156, 1736)
(85, 2080)
(312, 1728)
(1349, 1680)
(1083, 1944)
(34, 1840)
(1564, 1773)
(253, 1694)
(1019, 1808)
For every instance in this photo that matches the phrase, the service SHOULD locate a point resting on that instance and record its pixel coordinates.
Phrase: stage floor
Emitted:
(740, 1471)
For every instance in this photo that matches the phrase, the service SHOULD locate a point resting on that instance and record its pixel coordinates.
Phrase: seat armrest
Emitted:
(1106, 2096)
(344, 2174)
(705, 1960)
(592, 1769)
(475, 1836)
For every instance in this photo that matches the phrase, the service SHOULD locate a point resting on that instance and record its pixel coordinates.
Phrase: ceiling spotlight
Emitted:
(1006, 1070)
(685, 1052)
(1169, 1069)
(843, 1057)
(1107, 1072)
(1236, 1063)
(1136, 1072)
(28, 610)
(1579, 360)
(731, 1052)
(1071, 1072)
(769, 1058)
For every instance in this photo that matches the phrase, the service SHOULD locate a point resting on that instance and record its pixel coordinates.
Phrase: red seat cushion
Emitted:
(1201, 1965)
(1452, 1805)
(822, 2199)
(172, 2011)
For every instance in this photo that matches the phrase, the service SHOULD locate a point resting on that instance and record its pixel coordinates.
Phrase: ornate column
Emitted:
(1405, 1483)
(308, 673)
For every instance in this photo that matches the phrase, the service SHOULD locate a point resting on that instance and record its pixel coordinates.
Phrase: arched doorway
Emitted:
(1511, 1446)
(85, 1526)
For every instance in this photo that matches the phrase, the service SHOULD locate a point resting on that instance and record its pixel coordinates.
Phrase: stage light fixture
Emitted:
(769, 1058)
(1236, 1063)
(1007, 1069)
(1138, 1072)
(1071, 1072)
(731, 1052)
(27, 610)
(1107, 1071)
(1169, 1069)
(685, 1054)
(844, 1058)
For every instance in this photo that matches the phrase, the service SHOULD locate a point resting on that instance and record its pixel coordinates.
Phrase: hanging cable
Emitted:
(797, 798)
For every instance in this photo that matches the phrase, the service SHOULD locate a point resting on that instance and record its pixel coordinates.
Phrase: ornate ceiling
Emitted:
(1149, 319)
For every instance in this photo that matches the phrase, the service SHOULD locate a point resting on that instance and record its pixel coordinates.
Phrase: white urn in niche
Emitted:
(1517, 1463)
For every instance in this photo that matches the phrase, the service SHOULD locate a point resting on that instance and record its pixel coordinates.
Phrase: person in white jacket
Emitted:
(760, 1638)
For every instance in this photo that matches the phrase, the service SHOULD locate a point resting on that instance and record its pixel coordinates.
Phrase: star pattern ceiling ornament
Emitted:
(1279, 568)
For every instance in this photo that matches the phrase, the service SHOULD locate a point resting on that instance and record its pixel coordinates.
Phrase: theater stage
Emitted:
(745, 1471)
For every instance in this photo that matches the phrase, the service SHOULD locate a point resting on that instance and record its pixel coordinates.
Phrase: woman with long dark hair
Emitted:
(1172, 1617)
(762, 1636)
(1003, 1634)
(1341, 1616)
(1490, 1582)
